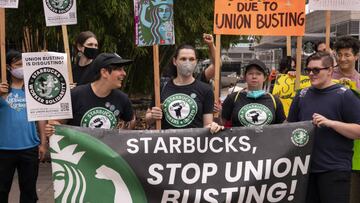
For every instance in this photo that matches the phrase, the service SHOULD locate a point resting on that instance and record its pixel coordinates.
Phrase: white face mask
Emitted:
(18, 73)
(186, 68)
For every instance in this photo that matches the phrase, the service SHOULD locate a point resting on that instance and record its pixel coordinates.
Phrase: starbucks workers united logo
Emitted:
(59, 6)
(254, 114)
(47, 86)
(180, 109)
(99, 117)
(300, 137)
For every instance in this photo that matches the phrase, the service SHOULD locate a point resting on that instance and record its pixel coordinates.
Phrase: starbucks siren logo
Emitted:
(59, 6)
(47, 86)
(99, 117)
(255, 115)
(300, 137)
(76, 175)
(180, 109)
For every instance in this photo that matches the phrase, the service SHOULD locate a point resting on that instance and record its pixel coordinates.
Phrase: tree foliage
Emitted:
(113, 23)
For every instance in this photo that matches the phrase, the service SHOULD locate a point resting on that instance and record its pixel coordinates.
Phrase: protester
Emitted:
(186, 102)
(20, 145)
(287, 64)
(347, 49)
(253, 106)
(86, 50)
(100, 104)
(334, 110)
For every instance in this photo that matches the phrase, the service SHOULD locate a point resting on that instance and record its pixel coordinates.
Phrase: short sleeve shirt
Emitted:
(92, 111)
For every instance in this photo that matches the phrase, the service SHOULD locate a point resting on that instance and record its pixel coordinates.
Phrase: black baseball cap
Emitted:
(104, 60)
(259, 64)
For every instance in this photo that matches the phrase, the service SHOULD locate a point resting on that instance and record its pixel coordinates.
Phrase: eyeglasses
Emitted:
(315, 71)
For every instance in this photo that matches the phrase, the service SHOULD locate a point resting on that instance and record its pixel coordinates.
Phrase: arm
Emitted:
(349, 130)
(43, 140)
(210, 70)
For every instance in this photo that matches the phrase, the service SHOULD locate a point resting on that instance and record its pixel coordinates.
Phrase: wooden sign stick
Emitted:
(298, 61)
(2, 44)
(67, 51)
(288, 45)
(217, 70)
(157, 81)
(327, 37)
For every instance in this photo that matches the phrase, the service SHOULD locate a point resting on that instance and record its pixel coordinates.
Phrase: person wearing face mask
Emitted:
(253, 106)
(186, 102)
(20, 145)
(86, 50)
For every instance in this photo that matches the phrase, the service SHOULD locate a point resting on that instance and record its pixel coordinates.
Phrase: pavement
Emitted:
(44, 187)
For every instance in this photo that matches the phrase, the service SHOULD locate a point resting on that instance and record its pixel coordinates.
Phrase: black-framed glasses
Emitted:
(315, 71)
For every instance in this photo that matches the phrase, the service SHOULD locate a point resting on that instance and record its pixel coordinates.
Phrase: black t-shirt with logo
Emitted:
(184, 106)
(252, 112)
(332, 151)
(92, 111)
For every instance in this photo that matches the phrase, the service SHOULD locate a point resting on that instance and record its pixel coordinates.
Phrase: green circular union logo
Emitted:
(99, 117)
(300, 137)
(59, 6)
(254, 114)
(47, 86)
(180, 109)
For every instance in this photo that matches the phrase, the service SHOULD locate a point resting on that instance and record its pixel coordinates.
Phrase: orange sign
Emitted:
(260, 17)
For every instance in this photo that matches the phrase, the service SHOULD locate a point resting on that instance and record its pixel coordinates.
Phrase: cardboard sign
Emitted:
(46, 86)
(267, 17)
(9, 3)
(60, 12)
(340, 5)
(185, 165)
(154, 22)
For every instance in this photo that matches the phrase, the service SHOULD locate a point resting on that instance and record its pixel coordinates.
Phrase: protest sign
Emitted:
(284, 88)
(154, 22)
(344, 5)
(46, 86)
(60, 12)
(9, 3)
(273, 17)
(269, 164)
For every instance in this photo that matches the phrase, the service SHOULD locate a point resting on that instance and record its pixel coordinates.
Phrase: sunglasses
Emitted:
(315, 71)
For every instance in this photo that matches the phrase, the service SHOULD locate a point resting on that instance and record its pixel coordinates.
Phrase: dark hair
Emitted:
(322, 42)
(326, 59)
(81, 39)
(109, 69)
(171, 69)
(12, 56)
(347, 42)
(285, 64)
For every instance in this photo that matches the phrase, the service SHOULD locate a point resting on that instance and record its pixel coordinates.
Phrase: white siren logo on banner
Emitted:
(59, 6)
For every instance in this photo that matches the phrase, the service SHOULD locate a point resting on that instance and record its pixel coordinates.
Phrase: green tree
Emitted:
(113, 23)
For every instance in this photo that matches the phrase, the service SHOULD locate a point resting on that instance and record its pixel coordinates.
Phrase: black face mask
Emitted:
(91, 53)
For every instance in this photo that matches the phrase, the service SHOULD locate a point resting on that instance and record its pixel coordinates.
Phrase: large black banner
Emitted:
(268, 164)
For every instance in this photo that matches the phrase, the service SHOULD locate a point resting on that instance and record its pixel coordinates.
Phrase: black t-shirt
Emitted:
(252, 112)
(332, 151)
(92, 111)
(184, 106)
(79, 72)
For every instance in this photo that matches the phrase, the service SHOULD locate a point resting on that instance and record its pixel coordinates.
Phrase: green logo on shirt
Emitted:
(255, 115)
(99, 117)
(180, 110)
